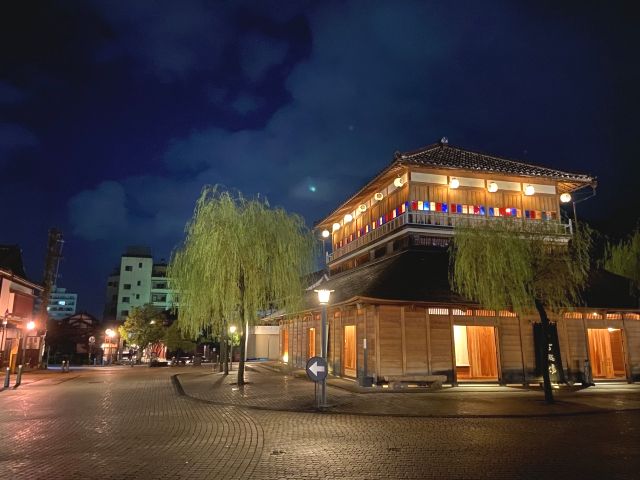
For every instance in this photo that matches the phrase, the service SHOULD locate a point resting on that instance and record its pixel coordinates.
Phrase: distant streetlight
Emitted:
(323, 299)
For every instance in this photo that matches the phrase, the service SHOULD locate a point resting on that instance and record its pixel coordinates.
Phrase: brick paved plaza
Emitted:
(122, 423)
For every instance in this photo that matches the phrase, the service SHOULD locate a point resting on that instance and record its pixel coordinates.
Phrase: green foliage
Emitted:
(143, 327)
(624, 259)
(175, 340)
(501, 266)
(239, 256)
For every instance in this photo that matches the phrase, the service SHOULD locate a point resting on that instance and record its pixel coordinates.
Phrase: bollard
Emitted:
(18, 377)
(7, 378)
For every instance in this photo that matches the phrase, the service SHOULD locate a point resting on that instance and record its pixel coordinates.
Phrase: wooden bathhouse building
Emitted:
(388, 269)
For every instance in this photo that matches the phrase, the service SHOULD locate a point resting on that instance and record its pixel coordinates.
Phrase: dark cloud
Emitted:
(10, 94)
(14, 137)
(258, 54)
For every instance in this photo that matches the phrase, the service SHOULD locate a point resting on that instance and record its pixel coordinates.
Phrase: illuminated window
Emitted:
(312, 343)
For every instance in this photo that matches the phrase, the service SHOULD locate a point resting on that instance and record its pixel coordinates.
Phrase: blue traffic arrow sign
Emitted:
(317, 369)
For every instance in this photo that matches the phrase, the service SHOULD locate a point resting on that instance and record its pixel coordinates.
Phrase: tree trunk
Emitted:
(242, 344)
(224, 356)
(241, 361)
(548, 392)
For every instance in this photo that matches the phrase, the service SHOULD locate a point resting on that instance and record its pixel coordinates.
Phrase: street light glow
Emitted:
(323, 296)
(232, 329)
(31, 325)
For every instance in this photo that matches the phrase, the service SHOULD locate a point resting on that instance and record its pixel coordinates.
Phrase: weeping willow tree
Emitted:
(624, 259)
(500, 266)
(240, 256)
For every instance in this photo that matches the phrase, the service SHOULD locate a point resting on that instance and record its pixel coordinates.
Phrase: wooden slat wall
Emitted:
(438, 193)
(632, 344)
(540, 202)
(419, 191)
(577, 343)
(415, 324)
(338, 335)
(510, 353)
(441, 338)
(390, 342)
(528, 346)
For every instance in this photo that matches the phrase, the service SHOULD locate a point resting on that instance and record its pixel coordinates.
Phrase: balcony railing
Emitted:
(444, 224)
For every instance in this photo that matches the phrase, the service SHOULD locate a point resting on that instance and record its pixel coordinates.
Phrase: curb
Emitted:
(596, 411)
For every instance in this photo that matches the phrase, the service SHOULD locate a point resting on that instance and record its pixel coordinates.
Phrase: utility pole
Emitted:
(52, 261)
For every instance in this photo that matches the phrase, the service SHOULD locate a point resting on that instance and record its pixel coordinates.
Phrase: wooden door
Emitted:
(349, 351)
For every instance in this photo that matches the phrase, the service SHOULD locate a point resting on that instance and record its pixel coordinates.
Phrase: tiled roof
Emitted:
(447, 156)
(423, 276)
(400, 277)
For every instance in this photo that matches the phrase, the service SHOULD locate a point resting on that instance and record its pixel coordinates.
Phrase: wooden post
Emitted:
(627, 353)
(428, 326)
(498, 342)
(454, 374)
(377, 327)
(403, 341)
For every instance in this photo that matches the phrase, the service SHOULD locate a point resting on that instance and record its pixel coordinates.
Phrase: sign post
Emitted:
(317, 372)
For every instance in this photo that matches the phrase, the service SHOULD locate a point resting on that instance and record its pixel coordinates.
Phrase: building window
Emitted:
(139, 283)
(140, 265)
(127, 286)
(125, 313)
(128, 268)
(125, 299)
(158, 297)
(137, 296)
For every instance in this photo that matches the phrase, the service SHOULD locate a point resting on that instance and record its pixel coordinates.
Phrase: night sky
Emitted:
(114, 114)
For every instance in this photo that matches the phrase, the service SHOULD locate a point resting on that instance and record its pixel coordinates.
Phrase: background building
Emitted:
(61, 304)
(137, 282)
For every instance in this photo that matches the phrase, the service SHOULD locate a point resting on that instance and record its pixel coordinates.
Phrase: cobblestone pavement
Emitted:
(130, 423)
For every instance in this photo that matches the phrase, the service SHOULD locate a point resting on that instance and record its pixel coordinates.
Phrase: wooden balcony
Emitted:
(442, 224)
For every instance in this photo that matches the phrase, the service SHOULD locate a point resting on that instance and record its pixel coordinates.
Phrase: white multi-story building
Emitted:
(139, 281)
(62, 304)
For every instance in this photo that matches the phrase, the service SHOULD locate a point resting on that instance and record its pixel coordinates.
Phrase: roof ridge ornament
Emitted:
(444, 141)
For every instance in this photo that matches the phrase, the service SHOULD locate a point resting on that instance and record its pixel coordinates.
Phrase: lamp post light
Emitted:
(324, 235)
(232, 330)
(323, 299)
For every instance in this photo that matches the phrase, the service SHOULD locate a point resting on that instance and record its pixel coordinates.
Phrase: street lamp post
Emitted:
(30, 326)
(323, 299)
(232, 330)
(110, 334)
(5, 320)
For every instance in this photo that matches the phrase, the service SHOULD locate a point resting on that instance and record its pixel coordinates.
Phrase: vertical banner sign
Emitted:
(551, 350)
